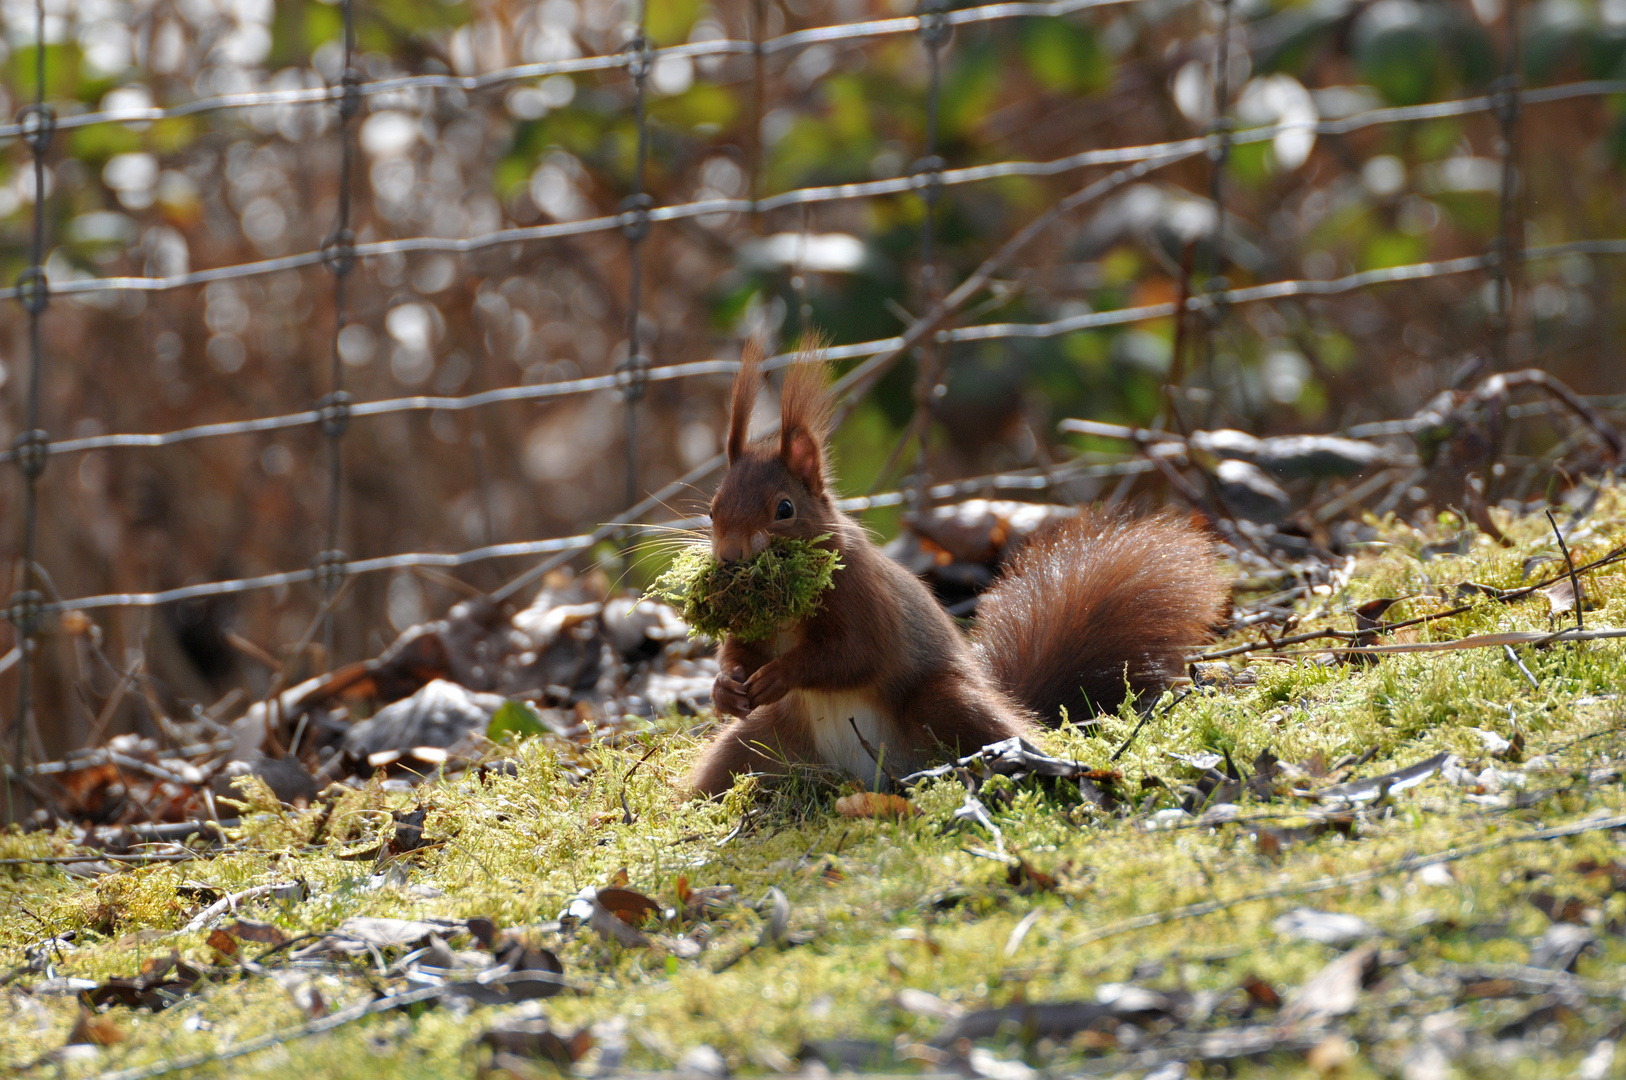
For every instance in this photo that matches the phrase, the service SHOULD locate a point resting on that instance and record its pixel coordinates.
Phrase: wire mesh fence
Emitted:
(1204, 302)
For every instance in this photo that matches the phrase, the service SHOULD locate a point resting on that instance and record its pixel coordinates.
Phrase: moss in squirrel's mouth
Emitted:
(749, 598)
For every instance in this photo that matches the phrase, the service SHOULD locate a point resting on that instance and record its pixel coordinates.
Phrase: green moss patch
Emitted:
(1053, 908)
(750, 598)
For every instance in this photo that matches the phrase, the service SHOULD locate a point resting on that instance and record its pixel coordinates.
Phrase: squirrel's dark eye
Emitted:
(786, 510)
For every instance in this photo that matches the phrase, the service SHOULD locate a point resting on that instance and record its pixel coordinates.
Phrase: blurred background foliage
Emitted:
(230, 186)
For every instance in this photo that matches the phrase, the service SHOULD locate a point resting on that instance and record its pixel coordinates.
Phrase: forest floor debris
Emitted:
(1403, 864)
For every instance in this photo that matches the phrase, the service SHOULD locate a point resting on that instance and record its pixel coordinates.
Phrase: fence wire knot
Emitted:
(1220, 131)
(349, 94)
(934, 29)
(331, 568)
(930, 173)
(634, 214)
(633, 376)
(37, 123)
(1505, 92)
(1218, 298)
(638, 56)
(23, 611)
(33, 290)
(339, 252)
(334, 411)
(30, 451)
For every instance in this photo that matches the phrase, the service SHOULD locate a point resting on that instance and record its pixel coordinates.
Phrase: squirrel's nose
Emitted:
(727, 547)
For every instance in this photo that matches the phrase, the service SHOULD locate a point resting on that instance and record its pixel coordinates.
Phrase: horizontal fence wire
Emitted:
(1169, 152)
(694, 50)
(1022, 480)
(1278, 290)
(1029, 480)
(1158, 153)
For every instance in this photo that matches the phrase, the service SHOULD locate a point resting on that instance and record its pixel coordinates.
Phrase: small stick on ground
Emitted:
(627, 816)
(1575, 582)
(873, 753)
(1513, 658)
(230, 903)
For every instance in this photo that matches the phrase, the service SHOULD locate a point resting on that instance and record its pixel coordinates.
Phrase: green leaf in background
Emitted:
(970, 89)
(668, 22)
(1476, 212)
(1063, 56)
(704, 103)
(1392, 249)
(172, 133)
(1088, 349)
(298, 27)
(98, 142)
(1411, 51)
(514, 718)
(1253, 164)
(510, 174)
(393, 20)
(62, 72)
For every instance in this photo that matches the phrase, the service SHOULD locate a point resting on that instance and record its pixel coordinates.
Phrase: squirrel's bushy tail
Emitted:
(1096, 602)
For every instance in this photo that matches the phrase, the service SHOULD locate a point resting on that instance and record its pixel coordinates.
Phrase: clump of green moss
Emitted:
(750, 598)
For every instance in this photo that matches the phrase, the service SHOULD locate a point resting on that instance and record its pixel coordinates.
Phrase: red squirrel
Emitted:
(881, 670)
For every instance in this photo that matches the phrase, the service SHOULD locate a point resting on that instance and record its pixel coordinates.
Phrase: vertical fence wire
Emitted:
(37, 122)
(339, 255)
(934, 33)
(1219, 156)
(634, 211)
(1507, 246)
(759, 56)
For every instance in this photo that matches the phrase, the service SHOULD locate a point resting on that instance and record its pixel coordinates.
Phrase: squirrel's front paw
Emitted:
(767, 685)
(729, 695)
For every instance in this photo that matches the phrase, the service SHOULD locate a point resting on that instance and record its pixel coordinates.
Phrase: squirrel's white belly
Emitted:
(832, 718)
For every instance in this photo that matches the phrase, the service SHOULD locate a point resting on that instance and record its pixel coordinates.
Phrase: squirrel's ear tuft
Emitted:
(804, 457)
(746, 385)
(805, 419)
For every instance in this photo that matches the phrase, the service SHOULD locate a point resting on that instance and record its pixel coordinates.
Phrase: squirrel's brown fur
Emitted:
(1096, 603)
(881, 671)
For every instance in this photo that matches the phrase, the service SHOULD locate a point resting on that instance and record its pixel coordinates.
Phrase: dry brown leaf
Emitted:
(1334, 990)
(1028, 879)
(1561, 596)
(870, 804)
(1260, 992)
(222, 942)
(630, 906)
(612, 927)
(263, 932)
(94, 1030)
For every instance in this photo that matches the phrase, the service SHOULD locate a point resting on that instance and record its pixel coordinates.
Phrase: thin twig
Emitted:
(1575, 584)
(1474, 641)
(1513, 658)
(875, 755)
(231, 903)
(63, 860)
(1350, 635)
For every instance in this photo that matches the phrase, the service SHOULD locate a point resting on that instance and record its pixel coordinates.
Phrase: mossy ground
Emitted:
(884, 905)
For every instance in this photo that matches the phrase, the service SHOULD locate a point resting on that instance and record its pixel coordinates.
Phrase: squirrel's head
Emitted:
(776, 486)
